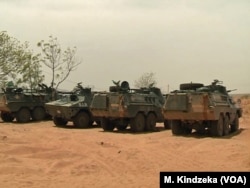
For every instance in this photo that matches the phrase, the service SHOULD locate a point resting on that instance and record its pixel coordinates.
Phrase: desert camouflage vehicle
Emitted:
(202, 108)
(122, 106)
(73, 106)
(25, 105)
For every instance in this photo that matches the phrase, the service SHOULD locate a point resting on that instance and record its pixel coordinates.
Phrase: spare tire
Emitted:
(125, 85)
(113, 89)
(190, 86)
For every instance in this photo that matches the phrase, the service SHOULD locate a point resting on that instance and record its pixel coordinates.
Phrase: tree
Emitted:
(31, 71)
(61, 63)
(18, 63)
(146, 80)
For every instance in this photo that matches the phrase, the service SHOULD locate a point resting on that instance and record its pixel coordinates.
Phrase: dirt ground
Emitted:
(43, 155)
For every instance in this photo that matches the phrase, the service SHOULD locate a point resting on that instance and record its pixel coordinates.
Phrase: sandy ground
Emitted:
(42, 155)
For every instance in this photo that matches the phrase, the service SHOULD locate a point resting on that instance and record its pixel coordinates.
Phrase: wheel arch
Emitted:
(151, 112)
(85, 111)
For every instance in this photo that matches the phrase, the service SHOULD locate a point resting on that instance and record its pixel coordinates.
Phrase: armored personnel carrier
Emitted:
(72, 106)
(122, 106)
(24, 105)
(202, 108)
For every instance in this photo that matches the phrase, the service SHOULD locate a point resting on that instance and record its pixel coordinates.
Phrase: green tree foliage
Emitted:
(18, 63)
(31, 71)
(61, 62)
(146, 80)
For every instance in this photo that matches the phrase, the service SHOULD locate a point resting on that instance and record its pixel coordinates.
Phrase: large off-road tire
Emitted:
(107, 125)
(113, 88)
(150, 122)
(226, 126)
(190, 86)
(201, 129)
(217, 127)
(38, 114)
(235, 124)
(187, 130)
(137, 124)
(23, 115)
(82, 120)
(176, 127)
(7, 117)
(167, 124)
(122, 127)
(58, 121)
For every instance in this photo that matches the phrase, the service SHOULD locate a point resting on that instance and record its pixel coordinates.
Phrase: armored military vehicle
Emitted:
(25, 105)
(202, 108)
(121, 107)
(72, 106)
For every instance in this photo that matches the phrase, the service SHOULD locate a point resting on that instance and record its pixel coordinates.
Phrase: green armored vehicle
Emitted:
(25, 105)
(73, 106)
(122, 106)
(202, 108)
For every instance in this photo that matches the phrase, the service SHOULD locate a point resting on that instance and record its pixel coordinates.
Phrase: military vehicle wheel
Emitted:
(190, 86)
(150, 122)
(122, 127)
(176, 127)
(187, 130)
(167, 124)
(201, 129)
(59, 121)
(226, 126)
(38, 114)
(7, 117)
(138, 123)
(235, 124)
(23, 115)
(82, 120)
(217, 127)
(91, 122)
(107, 125)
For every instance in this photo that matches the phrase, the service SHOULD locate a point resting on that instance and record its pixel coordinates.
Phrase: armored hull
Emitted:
(24, 105)
(122, 107)
(202, 108)
(72, 107)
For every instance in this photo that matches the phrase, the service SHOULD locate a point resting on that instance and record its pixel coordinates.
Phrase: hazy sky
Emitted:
(178, 40)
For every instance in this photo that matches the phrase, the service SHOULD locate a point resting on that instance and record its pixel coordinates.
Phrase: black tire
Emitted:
(107, 125)
(217, 127)
(201, 129)
(23, 115)
(91, 122)
(122, 127)
(38, 114)
(186, 129)
(113, 89)
(137, 124)
(7, 117)
(167, 124)
(190, 86)
(176, 126)
(58, 121)
(226, 126)
(235, 124)
(82, 120)
(150, 122)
